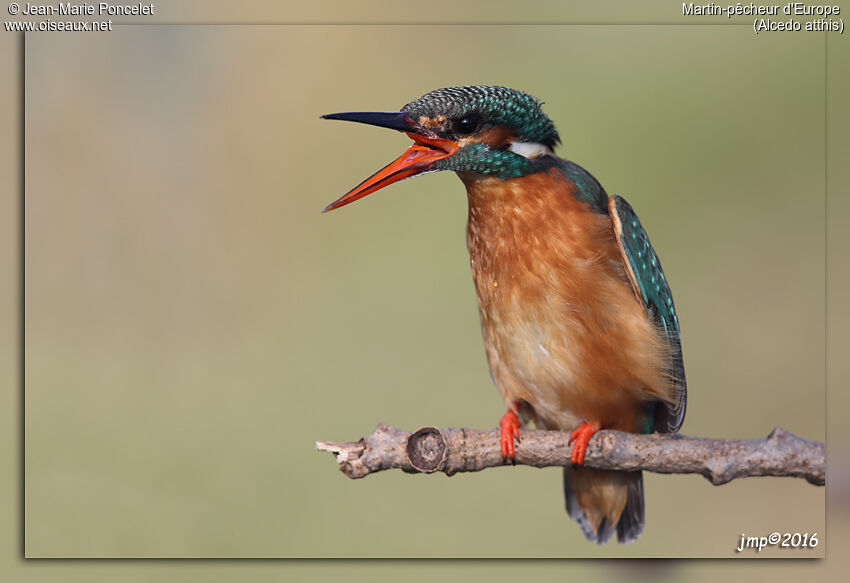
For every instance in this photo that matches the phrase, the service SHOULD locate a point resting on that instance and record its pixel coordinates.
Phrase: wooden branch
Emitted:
(466, 450)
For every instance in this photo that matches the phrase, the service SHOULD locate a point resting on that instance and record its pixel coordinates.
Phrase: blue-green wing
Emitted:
(644, 270)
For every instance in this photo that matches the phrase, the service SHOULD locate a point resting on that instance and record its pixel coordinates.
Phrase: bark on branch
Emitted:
(466, 450)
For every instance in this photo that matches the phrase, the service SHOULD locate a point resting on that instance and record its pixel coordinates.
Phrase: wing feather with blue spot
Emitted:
(650, 285)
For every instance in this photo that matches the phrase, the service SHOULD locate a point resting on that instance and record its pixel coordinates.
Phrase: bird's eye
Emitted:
(467, 124)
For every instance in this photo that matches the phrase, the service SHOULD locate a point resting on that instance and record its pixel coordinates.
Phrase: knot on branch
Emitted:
(426, 449)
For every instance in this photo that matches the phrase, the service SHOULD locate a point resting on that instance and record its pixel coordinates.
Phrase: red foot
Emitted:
(508, 432)
(579, 438)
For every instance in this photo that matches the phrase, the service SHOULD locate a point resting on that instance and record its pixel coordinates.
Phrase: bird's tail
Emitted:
(602, 501)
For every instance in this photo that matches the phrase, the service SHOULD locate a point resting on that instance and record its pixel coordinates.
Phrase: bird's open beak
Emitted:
(426, 149)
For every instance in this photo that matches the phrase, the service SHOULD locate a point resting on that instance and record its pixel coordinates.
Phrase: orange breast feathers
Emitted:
(563, 329)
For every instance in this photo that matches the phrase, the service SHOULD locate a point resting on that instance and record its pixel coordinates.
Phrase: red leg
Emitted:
(579, 438)
(508, 432)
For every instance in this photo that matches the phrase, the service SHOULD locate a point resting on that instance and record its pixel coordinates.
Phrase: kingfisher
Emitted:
(578, 320)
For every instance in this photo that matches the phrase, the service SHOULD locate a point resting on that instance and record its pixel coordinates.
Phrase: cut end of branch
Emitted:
(348, 455)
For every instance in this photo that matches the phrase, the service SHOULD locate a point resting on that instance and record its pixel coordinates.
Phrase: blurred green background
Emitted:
(193, 324)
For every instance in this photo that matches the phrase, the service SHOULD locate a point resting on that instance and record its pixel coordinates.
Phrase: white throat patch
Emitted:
(529, 150)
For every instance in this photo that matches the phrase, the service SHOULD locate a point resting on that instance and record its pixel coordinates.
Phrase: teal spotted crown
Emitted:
(497, 106)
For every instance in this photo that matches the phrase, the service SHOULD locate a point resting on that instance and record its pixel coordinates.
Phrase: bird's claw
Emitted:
(579, 439)
(508, 432)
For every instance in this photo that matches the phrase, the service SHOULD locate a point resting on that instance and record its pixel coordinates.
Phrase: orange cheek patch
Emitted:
(496, 138)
